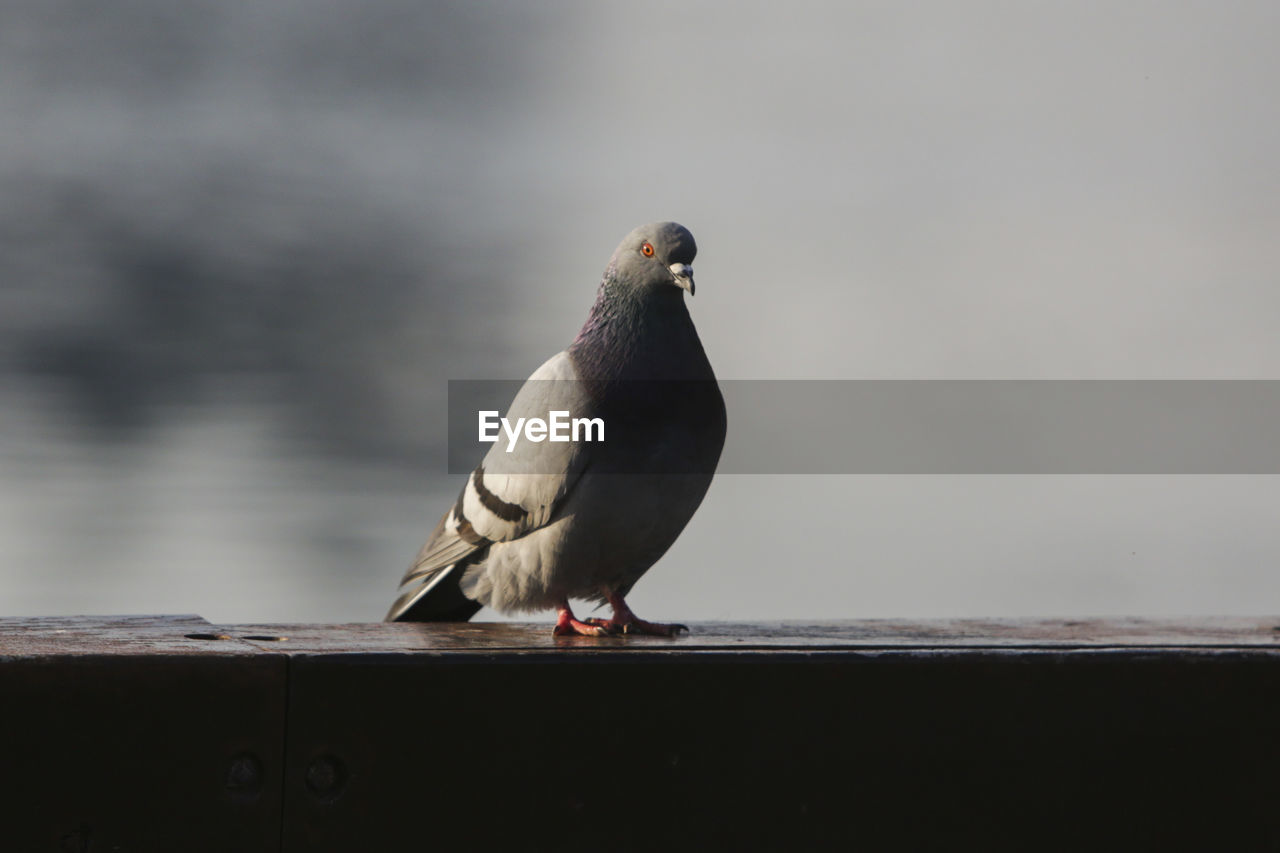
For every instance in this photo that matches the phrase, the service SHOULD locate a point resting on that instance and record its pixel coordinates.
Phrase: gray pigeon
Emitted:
(547, 521)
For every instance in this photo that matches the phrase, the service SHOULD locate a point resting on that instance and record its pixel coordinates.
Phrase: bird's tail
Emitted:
(437, 599)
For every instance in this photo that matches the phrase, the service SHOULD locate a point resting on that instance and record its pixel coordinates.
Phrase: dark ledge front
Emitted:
(163, 733)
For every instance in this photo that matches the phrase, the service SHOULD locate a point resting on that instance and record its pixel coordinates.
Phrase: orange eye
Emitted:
(647, 250)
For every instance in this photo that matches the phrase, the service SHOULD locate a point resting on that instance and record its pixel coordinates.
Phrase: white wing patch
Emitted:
(523, 496)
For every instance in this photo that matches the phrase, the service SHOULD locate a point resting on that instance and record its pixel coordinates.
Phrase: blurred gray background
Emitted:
(244, 247)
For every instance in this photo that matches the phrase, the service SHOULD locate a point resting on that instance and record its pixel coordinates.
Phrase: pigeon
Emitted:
(545, 522)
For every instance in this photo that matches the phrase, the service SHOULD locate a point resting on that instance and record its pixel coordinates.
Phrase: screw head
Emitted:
(326, 777)
(244, 776)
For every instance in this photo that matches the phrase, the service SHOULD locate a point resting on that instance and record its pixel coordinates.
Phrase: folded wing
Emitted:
(506, 497)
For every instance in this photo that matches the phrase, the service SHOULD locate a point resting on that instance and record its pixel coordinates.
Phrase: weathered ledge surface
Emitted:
(189, 634)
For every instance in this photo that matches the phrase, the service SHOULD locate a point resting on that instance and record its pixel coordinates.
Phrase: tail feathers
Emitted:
(438, 599)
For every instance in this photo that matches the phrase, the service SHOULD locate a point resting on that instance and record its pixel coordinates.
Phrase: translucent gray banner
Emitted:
(926, 426)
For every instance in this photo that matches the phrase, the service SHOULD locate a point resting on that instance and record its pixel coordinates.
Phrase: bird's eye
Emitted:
(647, 250)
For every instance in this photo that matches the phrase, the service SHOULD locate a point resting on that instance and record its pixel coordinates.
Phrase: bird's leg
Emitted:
(568, 626)
(626, 622)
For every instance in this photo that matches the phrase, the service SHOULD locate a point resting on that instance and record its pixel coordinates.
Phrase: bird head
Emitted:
(659, 254)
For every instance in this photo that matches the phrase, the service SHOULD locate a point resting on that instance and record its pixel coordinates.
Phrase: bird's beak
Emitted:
(684, 276)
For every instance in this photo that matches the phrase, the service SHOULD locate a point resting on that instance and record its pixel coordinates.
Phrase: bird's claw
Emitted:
(656, 629)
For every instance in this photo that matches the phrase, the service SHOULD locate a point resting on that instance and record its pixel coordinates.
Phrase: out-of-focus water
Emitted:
(243, 248)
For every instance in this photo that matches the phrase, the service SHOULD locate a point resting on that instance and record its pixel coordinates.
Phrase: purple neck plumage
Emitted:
(636, 332)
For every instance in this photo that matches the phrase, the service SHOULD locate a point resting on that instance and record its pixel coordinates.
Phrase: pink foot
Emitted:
(568, 626)
(641, 627)
(626, 622)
